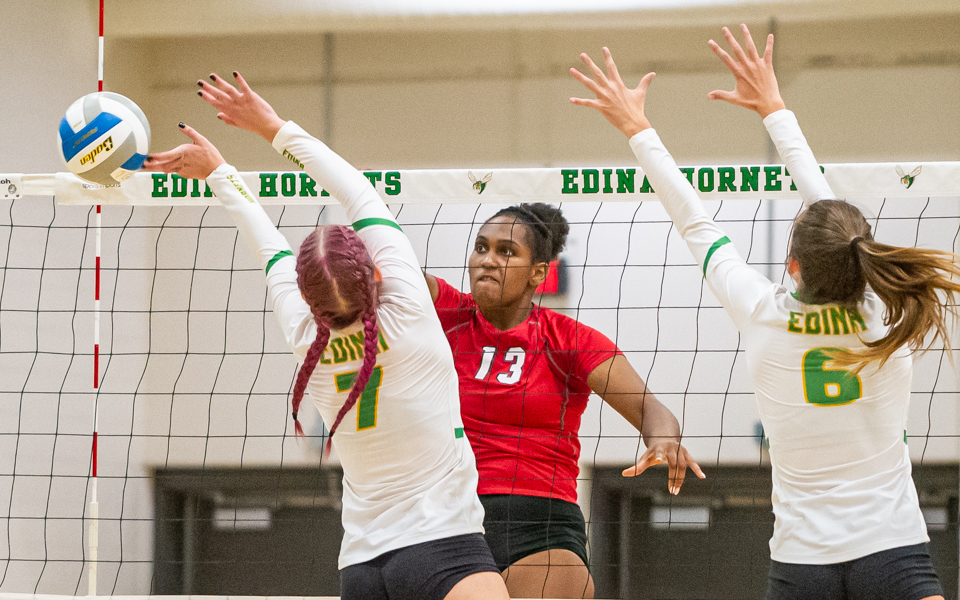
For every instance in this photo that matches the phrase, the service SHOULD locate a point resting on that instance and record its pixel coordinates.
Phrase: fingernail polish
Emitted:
(181, 125)
(235, 74)
(200, 82)
(200, 94)
(213, 77)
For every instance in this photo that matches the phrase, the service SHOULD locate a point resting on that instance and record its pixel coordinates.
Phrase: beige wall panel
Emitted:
(696, 130)
(884, 114)
(398, 56)
(286, 58)
(46, 64)
(167, 107)
(431, 124)
(537, 102)
(870, 42)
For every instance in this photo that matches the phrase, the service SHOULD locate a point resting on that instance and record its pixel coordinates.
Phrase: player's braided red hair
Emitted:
(337, 279)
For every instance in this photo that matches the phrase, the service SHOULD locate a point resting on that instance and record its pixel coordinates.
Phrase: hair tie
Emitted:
(855, 241)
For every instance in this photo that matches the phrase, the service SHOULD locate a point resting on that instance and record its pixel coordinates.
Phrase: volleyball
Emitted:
(103, 138)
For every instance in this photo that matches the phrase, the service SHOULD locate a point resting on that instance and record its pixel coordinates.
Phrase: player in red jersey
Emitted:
(526, 373)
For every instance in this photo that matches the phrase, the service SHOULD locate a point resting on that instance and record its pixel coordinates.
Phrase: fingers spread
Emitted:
(734, 45)
(588, 102)
(244, 87)
(192, 133)
(748, 42)
(591, 84)
(224, 86)
(768, 51)
(149, 164)
(721, 95)
(648, 459)
(678, 471)
(166, 156)
(692, 464)
(720, 52)
(211, 93)
(597, 73)
(645, 82)
(612, 71)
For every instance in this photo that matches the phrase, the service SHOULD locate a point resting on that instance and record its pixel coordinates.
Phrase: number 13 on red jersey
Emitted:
(515, 356)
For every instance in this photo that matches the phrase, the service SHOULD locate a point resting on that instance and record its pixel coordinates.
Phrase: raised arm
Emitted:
(738, 287)
(202, 160)
(390, 249)
(242, 107)
(757, 89)
(620, 386)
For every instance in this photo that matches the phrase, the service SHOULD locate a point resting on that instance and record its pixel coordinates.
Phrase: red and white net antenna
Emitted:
(94, 506)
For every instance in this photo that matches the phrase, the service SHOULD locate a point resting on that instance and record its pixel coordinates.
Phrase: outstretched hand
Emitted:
(756, 83)
(620, 105)
(677, 458)
(193, 161)
(241, 106)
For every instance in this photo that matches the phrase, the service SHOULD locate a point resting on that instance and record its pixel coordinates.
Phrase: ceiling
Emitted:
(177, 18)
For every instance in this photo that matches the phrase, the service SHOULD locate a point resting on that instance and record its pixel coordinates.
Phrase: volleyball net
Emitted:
(194, 482)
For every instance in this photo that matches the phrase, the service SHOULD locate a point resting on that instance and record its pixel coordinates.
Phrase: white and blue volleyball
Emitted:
(104, 137)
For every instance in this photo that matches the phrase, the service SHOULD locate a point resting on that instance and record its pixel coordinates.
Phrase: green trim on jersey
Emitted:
(716, 245)
(277, 257)
(374, 221)
(458, 432)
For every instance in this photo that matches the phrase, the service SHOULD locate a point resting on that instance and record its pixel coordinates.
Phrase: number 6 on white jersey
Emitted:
(828, 387)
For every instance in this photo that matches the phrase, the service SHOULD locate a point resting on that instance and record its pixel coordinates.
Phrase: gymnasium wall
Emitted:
(874, 89)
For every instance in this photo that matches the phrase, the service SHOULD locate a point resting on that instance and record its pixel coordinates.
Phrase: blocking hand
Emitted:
(241, 106)
(620, 105)
(756, 84)
(193, 161)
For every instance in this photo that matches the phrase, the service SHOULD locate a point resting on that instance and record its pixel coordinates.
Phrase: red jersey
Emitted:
(522, 394)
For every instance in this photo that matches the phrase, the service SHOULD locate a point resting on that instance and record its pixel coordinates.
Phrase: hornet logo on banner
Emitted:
(481, 184)
(906, 179)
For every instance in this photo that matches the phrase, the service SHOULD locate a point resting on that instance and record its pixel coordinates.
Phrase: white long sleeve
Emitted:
(276, 258)
(336, 175)
(785, 132)
(737, 286)
(372, 220)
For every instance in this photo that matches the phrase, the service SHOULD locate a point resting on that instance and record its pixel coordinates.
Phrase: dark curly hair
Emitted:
(546, 226)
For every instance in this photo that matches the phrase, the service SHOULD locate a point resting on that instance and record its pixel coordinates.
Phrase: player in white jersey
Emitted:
(831, 364)
(356, 309)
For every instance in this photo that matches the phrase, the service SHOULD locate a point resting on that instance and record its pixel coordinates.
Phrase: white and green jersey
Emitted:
(409, 474)
(842, 487)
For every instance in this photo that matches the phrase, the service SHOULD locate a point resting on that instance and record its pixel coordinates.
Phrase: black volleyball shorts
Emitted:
(518, 526)
(904, 573)
(426, 571)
